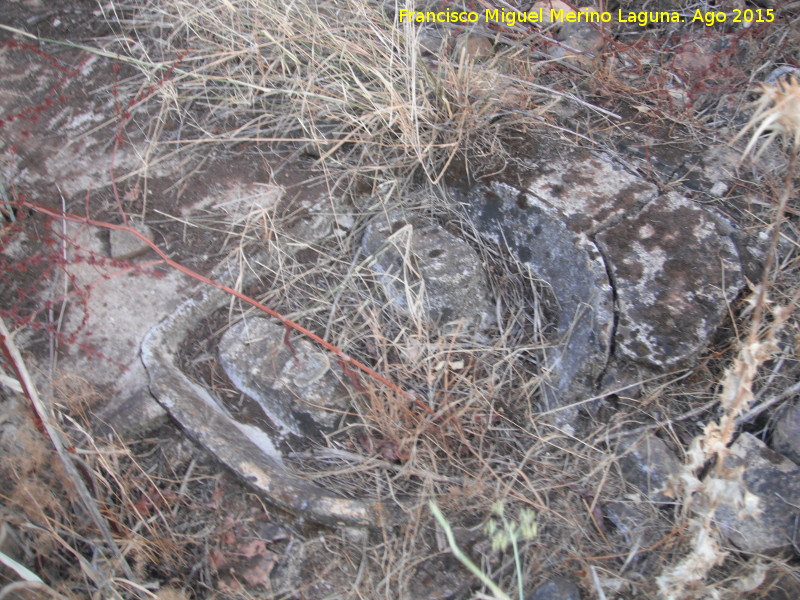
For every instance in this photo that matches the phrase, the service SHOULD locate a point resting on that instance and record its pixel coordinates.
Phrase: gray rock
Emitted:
(299, 392)
(650, 466)
(124, 245)
(425, 271)
(245, 450)
(762, 509)
(572, 266)
(674, 275)
(589, 191)
(577, 39)
(640, 530)
(557, 588)
(786, 436)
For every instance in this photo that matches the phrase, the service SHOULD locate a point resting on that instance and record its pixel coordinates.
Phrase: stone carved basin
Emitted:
(244, 449)
(638, 278)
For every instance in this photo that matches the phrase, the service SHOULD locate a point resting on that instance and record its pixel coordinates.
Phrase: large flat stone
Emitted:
(589, 190)
(675, 272)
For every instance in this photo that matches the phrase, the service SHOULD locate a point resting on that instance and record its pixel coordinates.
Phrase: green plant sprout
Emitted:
(502, 534)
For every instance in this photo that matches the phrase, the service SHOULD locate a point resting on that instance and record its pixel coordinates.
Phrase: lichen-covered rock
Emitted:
(297, 390)
(762, 510)
(426, 271)
(786, 436)
(589, 191)
(674, 275)
(650, 466)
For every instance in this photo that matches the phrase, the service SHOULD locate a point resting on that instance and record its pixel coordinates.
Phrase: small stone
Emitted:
(577, 38)
(650, 466)
(474, 46)
(557, 588)
(430, 40)
(426, 271)
(762, 509)
(295, 386)
(124, 245)
(786, 436)
(695, 57)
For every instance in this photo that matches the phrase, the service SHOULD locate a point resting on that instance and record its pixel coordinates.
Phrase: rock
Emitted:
(132, 410)
(298, 391)
(674, 275)
(590, 191)
(425, 271)
(761, 511)
(650, 466)
(695, 57)
(557, 588)
(786, 436)
(474, 46)
(430, 40)
(570, 263)
(581, 39)
(123, 245)
(640, 530)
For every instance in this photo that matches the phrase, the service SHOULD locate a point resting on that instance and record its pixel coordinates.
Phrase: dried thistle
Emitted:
(777, 111)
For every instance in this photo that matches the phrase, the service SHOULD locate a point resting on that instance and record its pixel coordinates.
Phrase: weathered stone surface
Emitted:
(557, 588)
(674, 275)
(764, 513)
(243, 448)
(649, 465)
(578, 40)
(573, 268)
(124, 245)
(786, 436)
(590, 191)
(299, 392)
(426, 271)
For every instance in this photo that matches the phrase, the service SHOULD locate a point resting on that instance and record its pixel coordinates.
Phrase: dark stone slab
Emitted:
(570, 263)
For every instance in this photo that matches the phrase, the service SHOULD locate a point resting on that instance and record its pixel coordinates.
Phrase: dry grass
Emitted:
(345, 83)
